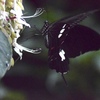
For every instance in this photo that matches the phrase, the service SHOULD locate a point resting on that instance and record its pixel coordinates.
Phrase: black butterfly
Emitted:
(66, 39)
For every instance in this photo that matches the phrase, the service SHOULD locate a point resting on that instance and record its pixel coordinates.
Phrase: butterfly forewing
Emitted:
(76, 18)
(58, 28)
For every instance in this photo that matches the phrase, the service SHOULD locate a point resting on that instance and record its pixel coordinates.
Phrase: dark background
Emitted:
(31, 78)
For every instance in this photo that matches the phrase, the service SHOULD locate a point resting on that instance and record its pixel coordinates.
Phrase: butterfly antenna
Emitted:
(64, 79)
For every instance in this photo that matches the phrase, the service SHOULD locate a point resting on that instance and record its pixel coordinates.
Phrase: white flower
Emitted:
(20, 19)
(12, 21)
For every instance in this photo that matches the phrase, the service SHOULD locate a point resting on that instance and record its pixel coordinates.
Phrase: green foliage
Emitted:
(15, 95)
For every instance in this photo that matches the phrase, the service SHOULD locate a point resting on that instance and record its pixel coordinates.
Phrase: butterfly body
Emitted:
(66, 39)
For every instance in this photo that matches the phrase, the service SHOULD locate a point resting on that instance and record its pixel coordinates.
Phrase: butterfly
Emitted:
(66, 39)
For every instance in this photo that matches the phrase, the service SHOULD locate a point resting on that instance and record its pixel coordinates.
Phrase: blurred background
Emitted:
(32, 79)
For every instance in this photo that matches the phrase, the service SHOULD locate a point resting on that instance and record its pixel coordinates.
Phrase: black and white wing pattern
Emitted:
(66, 38)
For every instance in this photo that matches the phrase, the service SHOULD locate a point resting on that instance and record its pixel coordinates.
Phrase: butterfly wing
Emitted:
(54, 55)
(65, 38)
(57, 57)
(76, 18)
(81, 39)
(57, 28)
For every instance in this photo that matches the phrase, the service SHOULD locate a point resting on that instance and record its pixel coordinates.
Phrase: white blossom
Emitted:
(12, 21)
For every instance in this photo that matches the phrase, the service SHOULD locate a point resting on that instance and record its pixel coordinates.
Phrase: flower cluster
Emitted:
(12, 21)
